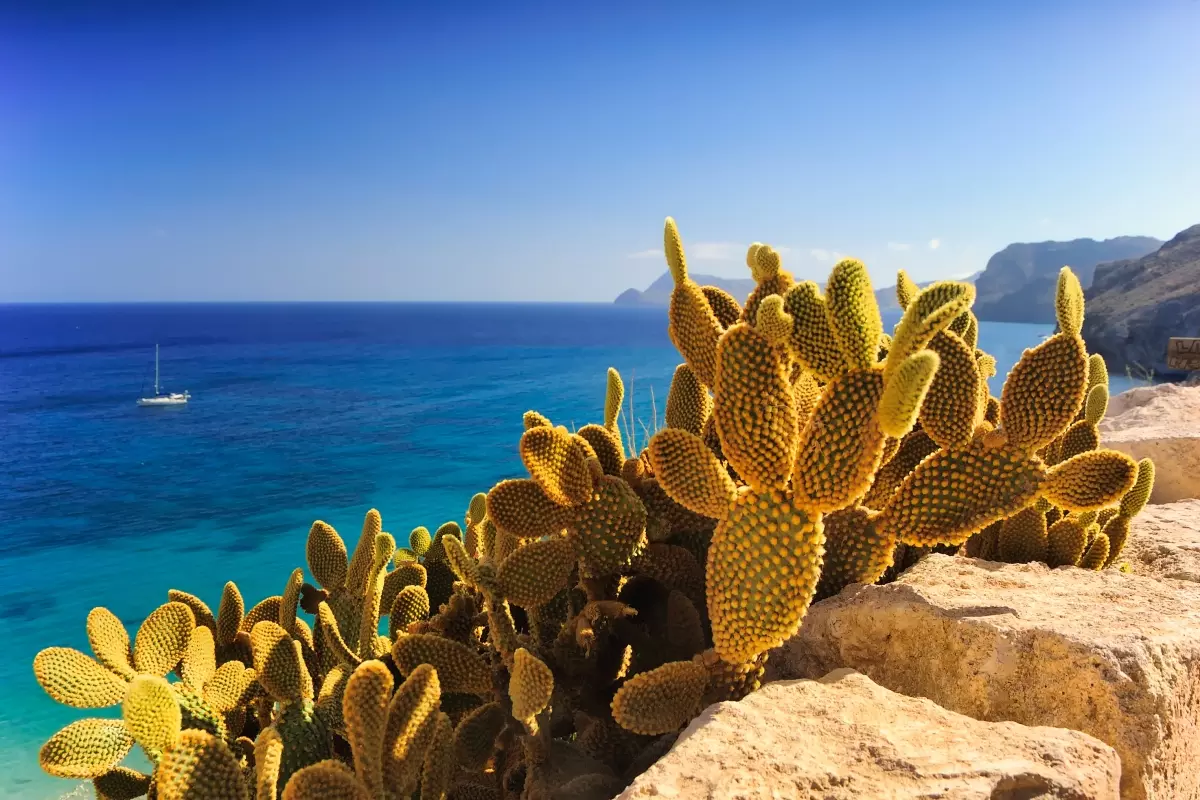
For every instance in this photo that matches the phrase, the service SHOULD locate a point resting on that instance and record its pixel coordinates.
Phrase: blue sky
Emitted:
(386, 151)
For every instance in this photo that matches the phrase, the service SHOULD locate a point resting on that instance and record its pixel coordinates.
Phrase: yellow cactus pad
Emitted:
(692, 325)
(614, 396)
(906, 289)
(198, 765)
(1096, 555)
(229, 614)
(331, 636)
(121, 783)
(74, 679)
(853, 313)
(904, 395)
(152, 713)
(690, 473)
(688, 403)
(530, 685)
(724, 306)
(419, 540)
(1097, 371)
(365, 712)
(280, 669)
(773, 322)
(162, 639)
(232, 685)
(841, 447)
(326, 780)
(661, 700)
(200, 610)
(439, 766)
(326, 555)
(409, 574)
(933, 309)
(410, 605)
(754, 412)
(410, 719)
(1043, 392)
(475, 736)
(955, 493)
(86, 748)
(458, 668)
(290, 601)
(1090, 480)
(268, 758)
(1116, 530)
(266, 609)
(763, 566)
(1068, 303)
(1023, 537)
(1065, 542)
(532, 419)
(463, 565)
(609, 528)
(200, 659)
(364, 553)
(813, 343)
(855, 550)
(110, 642)
(1139, 494)
(606, 444)
(557, 464)
(952, 408)
(1096, 405)
(534, 573)
(522, 509)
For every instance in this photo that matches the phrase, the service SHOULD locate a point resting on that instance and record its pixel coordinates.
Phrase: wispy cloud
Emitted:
(653, 252)
(820, 254)
(716, 251)
(899, 247)
(934, 244)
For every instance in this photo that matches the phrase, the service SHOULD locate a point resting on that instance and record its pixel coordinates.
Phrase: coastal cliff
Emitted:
(1135, 306)
(1018, 283)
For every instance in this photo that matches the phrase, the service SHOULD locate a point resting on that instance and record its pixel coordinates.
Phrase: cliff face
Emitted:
(1018, 283)
(1135, 306)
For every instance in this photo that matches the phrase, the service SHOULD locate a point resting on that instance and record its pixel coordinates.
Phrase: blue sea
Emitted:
(299, 412)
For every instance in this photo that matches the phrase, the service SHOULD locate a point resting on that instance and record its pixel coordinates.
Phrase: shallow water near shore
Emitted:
(299, 412)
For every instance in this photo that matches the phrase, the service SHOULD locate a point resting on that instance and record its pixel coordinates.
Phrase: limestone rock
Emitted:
(844, 736)
(1164, 542)
(1163, 423)
(1111, 654)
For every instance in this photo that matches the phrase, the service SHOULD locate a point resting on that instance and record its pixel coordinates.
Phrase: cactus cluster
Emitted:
(554, 643)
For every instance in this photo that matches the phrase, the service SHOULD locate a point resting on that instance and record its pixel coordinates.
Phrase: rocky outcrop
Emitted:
(1111, 654)
(846, 737)
(1018, 283)
(1164, 542)
(1161, 423)
(1134, 307)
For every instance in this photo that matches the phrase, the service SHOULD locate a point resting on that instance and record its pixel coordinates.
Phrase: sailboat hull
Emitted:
(164, 400)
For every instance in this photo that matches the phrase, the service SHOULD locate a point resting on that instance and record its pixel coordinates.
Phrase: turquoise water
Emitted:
(299, 412)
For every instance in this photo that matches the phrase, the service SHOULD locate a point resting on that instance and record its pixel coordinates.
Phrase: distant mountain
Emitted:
(1135, 306)
(659, 292)
(1018, 283)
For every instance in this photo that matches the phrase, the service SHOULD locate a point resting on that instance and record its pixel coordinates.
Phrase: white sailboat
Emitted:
(159, 399)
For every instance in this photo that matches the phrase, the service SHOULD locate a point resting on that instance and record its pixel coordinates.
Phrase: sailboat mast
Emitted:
(156, 369)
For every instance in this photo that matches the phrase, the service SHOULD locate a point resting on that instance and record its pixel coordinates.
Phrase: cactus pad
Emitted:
(661, 700)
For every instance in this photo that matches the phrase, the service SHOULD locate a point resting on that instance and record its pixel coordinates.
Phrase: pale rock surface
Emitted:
(1163, 423)
(1113, 655)
(1164, 542)
(844, 737)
